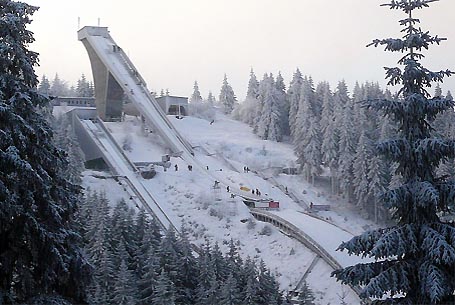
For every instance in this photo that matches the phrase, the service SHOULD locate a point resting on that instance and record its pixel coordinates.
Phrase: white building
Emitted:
(175, 105)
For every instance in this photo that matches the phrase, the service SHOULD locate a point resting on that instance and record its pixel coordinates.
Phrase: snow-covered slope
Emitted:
(188, 197)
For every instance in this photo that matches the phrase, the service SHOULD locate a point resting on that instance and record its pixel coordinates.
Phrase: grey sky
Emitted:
(174, 42)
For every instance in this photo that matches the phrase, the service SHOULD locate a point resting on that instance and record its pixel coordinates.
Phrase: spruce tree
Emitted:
(306, 296)
(262, 92)
(211, 99)
(185, 282)
(83, 88)
(59, 87)
(230, 294)
(227, 97)
(253, 86)
(196, 96)
(347, 144)
(44, 85)
(307, 141)
(207, 288)
(164, 293)
(330, 136)
(283, 105)
(270, 125)
(248, 109)
(125, 292)
(293, 97)
(147, 283)
(40, 256)
(268, 287)
(415, 258)
(361, 169)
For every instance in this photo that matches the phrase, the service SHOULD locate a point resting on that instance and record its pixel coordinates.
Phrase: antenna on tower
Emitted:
(98, 21)
(78, 23)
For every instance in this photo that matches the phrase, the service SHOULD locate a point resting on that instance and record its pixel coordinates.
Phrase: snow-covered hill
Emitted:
(226, 147)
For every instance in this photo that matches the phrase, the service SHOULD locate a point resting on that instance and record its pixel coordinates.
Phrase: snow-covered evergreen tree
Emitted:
(66, 139)
(308, 141)
(268, 287)
(207, 290)
(164, 293)
(211, 99)
(253, 86)
(306, 296)
(293, 97)
(227, 97)
(270, 125)
(347, 145)
(59, 87)
(185, 283)
(250, 283)
(196, 95)
(40, 255)
(44, 86)
(330, 135)
(262, 92)
(247, 111)
(148, 281)
(84, 88)
(415, 258)
(219, 263)
(361, 169)
(283, 104)
(230, 294)
(124, 290)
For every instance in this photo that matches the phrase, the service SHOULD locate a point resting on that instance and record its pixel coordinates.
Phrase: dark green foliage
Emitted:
(40, 258)
(306, 296)
(135, 264)
(414, 259)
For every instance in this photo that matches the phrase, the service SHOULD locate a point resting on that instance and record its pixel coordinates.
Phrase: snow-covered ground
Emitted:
(188, 197)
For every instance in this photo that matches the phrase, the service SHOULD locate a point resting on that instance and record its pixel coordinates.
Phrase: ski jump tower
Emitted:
(115, 77)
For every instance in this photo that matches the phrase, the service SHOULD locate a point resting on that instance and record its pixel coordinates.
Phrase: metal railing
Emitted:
(300, 236)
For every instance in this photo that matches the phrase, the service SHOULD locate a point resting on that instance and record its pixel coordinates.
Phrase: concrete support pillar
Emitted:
(108, 93)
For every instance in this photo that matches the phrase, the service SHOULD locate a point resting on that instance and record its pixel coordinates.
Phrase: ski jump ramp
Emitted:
(125, 170)
(115, 77)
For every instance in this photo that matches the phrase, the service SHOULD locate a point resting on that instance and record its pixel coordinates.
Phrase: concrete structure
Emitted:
(74, 101)
(175, 105)
(108, 93)
(117, 79)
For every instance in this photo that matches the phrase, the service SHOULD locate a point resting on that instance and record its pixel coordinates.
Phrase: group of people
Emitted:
(256, 192)
(190, 167)
(246, 169)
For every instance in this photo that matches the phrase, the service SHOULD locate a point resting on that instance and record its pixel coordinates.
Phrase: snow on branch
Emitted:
(396, 243)
(396, 149)
(362, 244)
(394, 280)
(437, 247)
(435, 281)
(361, 274)
(424, 194)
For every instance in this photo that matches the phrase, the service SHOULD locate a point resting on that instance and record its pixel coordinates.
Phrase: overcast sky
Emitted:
(175, 42)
